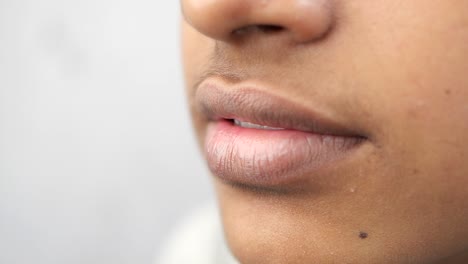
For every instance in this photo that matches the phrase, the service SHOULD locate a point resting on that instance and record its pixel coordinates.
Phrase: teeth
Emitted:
(254, 126)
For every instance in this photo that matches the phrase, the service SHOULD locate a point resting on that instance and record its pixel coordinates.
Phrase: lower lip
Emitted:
(269, 158)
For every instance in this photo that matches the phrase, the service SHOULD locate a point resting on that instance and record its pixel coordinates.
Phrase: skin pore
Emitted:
(395, 72)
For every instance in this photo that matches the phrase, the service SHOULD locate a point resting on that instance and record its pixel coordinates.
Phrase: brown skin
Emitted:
(397, 72)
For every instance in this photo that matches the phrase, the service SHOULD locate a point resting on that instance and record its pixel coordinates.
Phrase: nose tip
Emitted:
(305, 20)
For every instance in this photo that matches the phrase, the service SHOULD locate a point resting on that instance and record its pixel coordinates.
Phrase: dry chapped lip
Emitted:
(259, 139)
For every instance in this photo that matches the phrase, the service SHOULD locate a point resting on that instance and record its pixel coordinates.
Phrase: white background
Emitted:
(97, 156)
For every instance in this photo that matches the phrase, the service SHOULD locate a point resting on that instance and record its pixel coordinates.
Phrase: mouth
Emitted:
(258, 139)
(254, 126)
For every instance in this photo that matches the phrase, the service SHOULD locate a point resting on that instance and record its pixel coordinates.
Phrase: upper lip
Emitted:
(218, 100)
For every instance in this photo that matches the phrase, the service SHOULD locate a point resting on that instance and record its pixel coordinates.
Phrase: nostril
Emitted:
(233, 20)
(258, 28)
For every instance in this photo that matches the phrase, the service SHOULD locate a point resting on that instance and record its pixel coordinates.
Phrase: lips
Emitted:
(256, 138)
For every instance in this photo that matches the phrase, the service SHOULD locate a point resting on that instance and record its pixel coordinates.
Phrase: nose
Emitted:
(305, 20)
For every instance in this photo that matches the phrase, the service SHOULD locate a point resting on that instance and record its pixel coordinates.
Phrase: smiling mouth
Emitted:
(257, 139)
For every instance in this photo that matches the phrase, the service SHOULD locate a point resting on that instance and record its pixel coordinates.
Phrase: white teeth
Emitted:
(254, 126)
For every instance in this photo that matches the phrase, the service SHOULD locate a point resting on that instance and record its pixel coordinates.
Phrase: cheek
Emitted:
(420, 99)
(414, 77)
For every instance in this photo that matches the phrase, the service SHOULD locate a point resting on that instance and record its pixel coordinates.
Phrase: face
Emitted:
(335, 131)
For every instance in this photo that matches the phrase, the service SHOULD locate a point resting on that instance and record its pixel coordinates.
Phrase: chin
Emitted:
(269, 228)
(263, 227)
